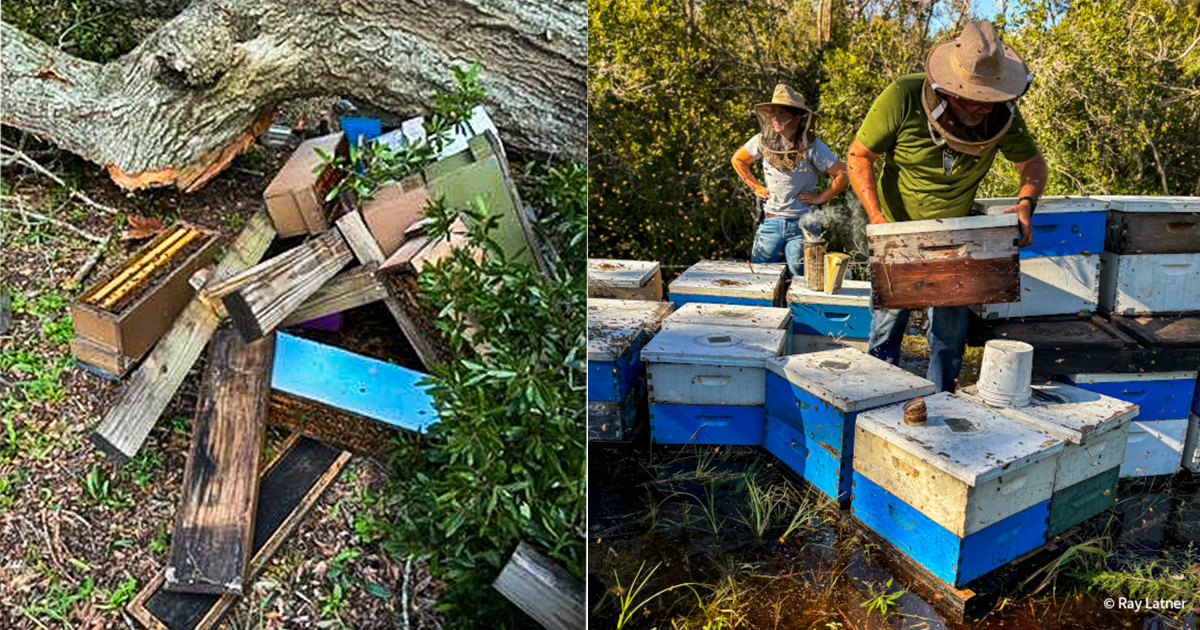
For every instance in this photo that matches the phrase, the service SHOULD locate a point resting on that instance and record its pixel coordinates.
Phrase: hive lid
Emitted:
(1051, 204)
(850, 379)
(1130, 203)
(940, 225)
(607, 344)
(637, 314)
(964, 439)
(1133, 376)
(740, 315)
(852, 293)
(715, 345)
(620, 274)
(1068, 412)
(731, 279)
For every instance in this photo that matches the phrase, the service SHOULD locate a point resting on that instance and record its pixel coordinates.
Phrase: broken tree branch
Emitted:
(11, 154)
(41, 217)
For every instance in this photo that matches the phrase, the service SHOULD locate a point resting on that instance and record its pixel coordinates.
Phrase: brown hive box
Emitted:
(123, 314)
(945, 262)
(393, 209)
(296, 197)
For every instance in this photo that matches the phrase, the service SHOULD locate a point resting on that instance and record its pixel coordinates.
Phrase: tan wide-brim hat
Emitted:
(978, 66)
(785, 96)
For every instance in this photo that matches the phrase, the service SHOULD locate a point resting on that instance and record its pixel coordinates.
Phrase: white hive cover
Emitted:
(606, 344)
(610, 313)
(1068, 412)
(852, 293)
(1126, 203)
(715, 345)
(939, 225)
(731, 278)
(1052, 204)
(620, 274)
(850, 379)
(964, 439)
(729, 315)
(1137, 376)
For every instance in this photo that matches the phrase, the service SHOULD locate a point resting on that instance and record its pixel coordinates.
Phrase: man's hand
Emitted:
(1024, 221)
(761, 191)
(810, 197)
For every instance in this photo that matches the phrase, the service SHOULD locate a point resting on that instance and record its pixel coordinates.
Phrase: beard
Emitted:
(969, 121)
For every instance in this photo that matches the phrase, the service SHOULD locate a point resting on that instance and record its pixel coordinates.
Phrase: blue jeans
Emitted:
(781, 239)
(947, 339)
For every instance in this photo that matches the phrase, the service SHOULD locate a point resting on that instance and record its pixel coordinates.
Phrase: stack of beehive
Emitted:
(822, 321)
(617, 330)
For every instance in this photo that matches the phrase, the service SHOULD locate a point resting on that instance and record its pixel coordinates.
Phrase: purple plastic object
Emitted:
(330, 323)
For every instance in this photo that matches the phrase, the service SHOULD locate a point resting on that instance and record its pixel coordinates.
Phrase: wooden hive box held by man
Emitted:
(945, 262)
(124, 313)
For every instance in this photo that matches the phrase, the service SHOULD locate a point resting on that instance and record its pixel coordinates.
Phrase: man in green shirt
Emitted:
(939, 133)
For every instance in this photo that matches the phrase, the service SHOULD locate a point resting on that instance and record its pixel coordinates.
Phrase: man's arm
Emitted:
(741, 163)
(860, 162)
(1033, 182)
(835, 187)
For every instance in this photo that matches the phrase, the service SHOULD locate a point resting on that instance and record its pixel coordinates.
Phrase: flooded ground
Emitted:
(712, 538)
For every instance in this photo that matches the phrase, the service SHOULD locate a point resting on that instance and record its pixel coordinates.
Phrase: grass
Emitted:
(881, 600)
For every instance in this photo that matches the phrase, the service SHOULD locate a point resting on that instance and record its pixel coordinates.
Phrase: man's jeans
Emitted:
(947, 339)
(781, 239)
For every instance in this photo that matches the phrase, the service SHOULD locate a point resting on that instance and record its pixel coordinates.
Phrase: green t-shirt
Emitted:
(913, 185)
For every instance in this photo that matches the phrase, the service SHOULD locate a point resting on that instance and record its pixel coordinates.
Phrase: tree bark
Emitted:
(178, 108)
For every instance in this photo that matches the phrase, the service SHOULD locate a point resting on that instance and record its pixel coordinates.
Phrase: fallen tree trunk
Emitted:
(178, 108)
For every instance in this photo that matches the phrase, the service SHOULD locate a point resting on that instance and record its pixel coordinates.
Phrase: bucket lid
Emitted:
(731, 279)
(1068, 412)
(715, 345)
(729, 315)
(849, 379)
(620, 274)
(963, 438)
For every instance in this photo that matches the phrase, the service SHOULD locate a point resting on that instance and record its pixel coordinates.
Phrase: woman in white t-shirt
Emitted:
(794, 158)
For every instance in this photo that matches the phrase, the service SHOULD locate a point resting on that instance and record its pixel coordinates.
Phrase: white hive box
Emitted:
(967, 468)
(729, 282)
(710, 365)
(1052, 285)
(1094, 427)
(624, 279)
(1136, 284)
(738, 315)
(1155, 447)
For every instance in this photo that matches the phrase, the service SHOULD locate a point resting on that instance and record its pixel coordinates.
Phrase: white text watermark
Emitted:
(1138, 605)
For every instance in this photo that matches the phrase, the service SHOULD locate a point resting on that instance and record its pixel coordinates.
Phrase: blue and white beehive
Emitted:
(821, 320)
(705, 384)
(1060, 270)
(617, 330)
(812, 401)
(729, 282)
(965, 493)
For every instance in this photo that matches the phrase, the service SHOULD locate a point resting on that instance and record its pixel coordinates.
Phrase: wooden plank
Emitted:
(359, 238)
(953, 282)
(541, 588)
(126, 425)
(1175, 331)
(288, 489)
(351, 382)
(280, 285)
(896, 249)
(347, 290)
(215, 520)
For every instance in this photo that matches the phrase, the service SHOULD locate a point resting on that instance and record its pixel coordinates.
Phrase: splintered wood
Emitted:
(215, 522)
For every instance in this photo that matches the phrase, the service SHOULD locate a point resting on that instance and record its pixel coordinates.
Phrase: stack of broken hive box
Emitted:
(155, 313)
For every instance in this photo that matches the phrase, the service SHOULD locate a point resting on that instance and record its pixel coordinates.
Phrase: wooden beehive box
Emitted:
(122, 315)
(1155, 448)
(1158, 395)
(846, 313)
(812, 401)
(295, 198)
(624, 279)
(729, 282)
(1052, 285)
(1153, 225)
(963, 494)
(737, 315)
(1146, 284)
(945, 262)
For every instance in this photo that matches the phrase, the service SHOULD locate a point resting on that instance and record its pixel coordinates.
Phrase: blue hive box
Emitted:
(617, 330)
(1062, 225)
(1159, 396)
(812, 401)
(729, 282)
(846, 313)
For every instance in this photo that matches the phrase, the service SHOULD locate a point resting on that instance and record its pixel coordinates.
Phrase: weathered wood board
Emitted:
(544, 590)
(287, 491)
(1175, 331)
(347, 290)
(947, 262)
(295, 197)
(332, 426)
(214, 523)
(126, 425)
(271, 290)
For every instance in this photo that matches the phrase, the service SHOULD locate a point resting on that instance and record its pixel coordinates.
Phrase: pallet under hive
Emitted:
(122, 315)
